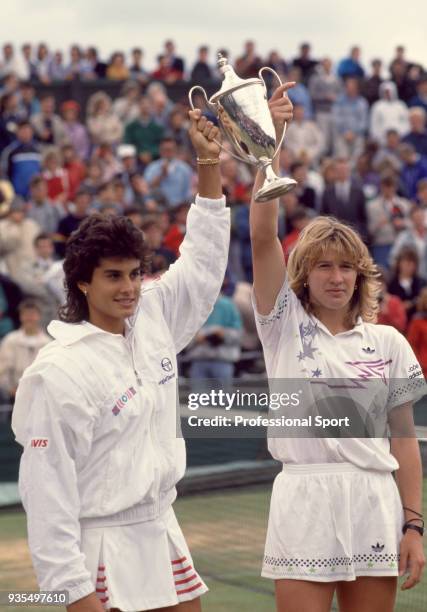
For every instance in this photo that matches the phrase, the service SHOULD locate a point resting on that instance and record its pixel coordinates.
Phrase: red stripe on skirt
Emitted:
(186, 579)
(179, 560)
(193, 588)
(183, 571)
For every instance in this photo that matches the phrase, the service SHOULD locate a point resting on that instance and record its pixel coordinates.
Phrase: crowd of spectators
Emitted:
(357, 147)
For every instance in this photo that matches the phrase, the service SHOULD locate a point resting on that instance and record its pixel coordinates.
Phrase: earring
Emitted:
(85, 292)
(355, 287)
(305, 285)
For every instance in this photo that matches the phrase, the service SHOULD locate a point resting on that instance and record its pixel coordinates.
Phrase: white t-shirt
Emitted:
(374, 363)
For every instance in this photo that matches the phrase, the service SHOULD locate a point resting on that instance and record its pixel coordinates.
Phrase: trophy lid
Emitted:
(231, 80)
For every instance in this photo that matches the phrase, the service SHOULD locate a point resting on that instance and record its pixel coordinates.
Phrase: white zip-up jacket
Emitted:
(96, 411)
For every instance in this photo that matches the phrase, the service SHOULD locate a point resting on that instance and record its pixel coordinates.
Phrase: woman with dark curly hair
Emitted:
(338, 522)
(96, 413)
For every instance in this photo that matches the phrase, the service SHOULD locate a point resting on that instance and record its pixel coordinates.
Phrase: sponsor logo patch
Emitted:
(123, 400)
(39, 442)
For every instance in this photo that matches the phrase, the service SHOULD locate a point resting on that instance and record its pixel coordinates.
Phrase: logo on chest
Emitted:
(123, 400)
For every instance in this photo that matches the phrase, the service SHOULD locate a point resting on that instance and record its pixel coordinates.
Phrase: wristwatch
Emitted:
(407, 526)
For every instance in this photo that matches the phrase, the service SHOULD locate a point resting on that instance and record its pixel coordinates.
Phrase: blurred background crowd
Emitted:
(80, 135)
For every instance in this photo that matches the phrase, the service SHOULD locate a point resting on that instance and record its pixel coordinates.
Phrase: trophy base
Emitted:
(274, 189)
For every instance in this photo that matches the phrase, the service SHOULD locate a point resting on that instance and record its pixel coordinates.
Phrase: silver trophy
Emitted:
(242, 108)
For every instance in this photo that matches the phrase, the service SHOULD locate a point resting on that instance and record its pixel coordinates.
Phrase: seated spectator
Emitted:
(104, 152)
(216, 348)
(366, 175)
(11, 113)
(94, 177)
(169, 175)
(175, 233)
(236, 189)
(415, 236)
(55, 176)
(248, 64)
(305, 194)
(19, 348)
(417, 136)
(417, 331)
(371, 86)
(105, 198)
(29, 102)
(161, 106)
(17, 234)
(305, 63)
(161, 256)
(344, 199)
(117, 69)
(405, 86)
(13, 63)
(176, 63)
(391, 309)
(49, 128)
(43, 61)
(350, 116)
(21, 159)
(178, 128)
(136, 69)
(324, 88)
(388, 113)
(304, 138)
(298, 220)
(32, 277)
(350, 67)
(299, 94)
(420, 99)
(144, 133)
(79, 67)
(240, 228)
(387, 216)
(405, 281)
(76, 132)
(414, 168)
(10, 296)
(389, 152)
(126, 107)
(201, 71)
(75, 169)
(57, 69)
(98, 68)
(27, 55)
(41, 209)
(278, 64)
(71, 222)
(102, 123)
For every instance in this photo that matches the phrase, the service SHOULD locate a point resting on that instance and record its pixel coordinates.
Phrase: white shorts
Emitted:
(333, 521)
(141, 566)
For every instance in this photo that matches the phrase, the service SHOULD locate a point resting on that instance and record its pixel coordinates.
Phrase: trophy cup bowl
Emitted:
(241, 106)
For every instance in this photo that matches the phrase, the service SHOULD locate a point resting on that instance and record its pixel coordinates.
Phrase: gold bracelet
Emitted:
(208, 161)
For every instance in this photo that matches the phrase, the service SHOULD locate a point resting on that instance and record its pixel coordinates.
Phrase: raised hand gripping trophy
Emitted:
(242, 108)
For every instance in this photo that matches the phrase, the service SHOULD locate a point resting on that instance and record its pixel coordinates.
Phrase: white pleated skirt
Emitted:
(332, 522)
(141, 566)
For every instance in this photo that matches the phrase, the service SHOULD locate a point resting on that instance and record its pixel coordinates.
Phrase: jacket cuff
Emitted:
(79, 591)
(210, 204)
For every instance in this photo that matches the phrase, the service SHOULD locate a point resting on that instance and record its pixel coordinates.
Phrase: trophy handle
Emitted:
(273, 72)
(215, 110)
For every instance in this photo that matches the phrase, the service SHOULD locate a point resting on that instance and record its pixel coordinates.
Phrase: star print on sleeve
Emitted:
(316, 373)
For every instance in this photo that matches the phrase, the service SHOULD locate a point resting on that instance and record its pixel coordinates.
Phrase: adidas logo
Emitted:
(378, 547)
(368, 350)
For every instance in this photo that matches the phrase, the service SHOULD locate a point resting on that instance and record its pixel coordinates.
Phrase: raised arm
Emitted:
(267, 255)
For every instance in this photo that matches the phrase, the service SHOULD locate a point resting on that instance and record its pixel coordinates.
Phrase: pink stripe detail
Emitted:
(102, 590)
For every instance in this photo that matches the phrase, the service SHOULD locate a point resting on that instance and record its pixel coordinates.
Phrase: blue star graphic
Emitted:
(301, 356)
(309, 350)
(316, 373)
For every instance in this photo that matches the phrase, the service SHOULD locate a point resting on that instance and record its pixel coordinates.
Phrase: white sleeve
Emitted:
(270, 326)
(189, 289)
(53, 421)
(407, 382)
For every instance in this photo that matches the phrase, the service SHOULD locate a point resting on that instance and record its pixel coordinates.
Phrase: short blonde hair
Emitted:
(322, 234)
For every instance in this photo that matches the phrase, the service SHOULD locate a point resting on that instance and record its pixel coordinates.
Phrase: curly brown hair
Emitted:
(316, 238)
(97, 237)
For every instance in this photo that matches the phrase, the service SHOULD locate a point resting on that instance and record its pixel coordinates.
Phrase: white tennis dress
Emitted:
(335, 509)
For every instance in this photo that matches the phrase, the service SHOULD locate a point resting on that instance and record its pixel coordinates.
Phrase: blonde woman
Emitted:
(103, 125)
(336, 515)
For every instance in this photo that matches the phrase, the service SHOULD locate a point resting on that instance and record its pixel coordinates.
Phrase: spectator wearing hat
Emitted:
(49, 128)
(76, 132)
(21, 159)
(17, 234)
(129, 169)
(417, 136)
(388, 113)
(46, 213)
(169, 176)
(126, 107)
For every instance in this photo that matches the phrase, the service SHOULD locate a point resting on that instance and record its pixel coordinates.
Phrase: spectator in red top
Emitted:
(55, 176)
(75, 169)
(417, 331)
(176, 232)
(392, 310)
(299, 219)
(249, 63)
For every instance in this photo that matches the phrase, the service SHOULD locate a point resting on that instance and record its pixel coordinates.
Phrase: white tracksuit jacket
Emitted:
(96, 412)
